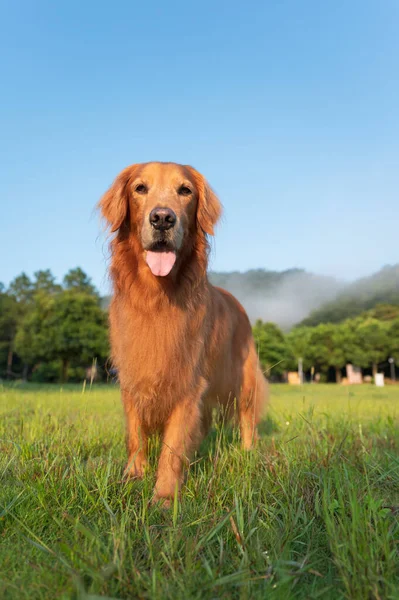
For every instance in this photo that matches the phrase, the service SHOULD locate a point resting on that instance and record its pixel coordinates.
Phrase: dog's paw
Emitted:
(164, 503)
(133, 472)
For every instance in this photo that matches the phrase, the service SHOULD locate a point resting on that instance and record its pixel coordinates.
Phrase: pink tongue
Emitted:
(160, 263)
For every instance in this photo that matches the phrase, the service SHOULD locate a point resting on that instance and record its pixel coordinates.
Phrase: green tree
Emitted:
(320, 347)
(22, 289)
(8, 326)
(299, 348)
(45, 282)
(80, 329)
(329, 347)
(272, 347)
(393, 340)
(342, 340)
(371, 343)
(35, 334)
(385, 312)
(68, 326)
(76, 279)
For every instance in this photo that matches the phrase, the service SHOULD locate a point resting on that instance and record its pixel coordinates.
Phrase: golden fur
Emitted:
(181, 346)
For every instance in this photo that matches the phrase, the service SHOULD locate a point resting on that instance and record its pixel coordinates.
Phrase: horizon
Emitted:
(291, 112)
(104, 292)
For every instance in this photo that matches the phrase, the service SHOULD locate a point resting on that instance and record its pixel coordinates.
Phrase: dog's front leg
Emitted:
(182, 436)
(136, 439)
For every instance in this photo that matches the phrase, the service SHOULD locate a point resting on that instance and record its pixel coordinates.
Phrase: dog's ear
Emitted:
(209, 208)
(114, 205)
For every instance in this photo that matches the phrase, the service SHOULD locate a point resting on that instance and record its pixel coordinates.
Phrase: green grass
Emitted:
(312, 513)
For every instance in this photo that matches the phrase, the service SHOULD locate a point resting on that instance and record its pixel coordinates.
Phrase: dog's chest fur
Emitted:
(159, 355)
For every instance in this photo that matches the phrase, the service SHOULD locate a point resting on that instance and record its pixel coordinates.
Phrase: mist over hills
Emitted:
(284, 297)
(364, 294)
(296, 296)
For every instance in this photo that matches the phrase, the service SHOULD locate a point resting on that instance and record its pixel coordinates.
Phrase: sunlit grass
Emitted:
(312, 513)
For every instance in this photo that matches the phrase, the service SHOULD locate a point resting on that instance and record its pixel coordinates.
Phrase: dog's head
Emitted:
(165, 206)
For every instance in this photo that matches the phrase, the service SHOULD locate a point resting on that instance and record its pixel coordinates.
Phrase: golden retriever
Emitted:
(181, 346)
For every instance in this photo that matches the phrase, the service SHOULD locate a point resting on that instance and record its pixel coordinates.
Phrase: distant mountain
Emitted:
(364, 294)
(284, 297)
(296, 296)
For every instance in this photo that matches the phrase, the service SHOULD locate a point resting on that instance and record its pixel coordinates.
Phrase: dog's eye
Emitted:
(141, 188)
(184, 191)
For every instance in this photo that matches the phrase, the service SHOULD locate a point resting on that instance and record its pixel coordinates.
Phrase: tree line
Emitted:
(51, 331)
(55, 332)
(367, 341)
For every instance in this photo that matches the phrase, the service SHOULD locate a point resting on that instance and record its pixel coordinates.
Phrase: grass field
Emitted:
(312, 513)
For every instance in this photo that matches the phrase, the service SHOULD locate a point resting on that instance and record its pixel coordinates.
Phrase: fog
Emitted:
(284, 298)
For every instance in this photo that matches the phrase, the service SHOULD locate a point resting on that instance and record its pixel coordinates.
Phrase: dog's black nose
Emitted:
(162, 218)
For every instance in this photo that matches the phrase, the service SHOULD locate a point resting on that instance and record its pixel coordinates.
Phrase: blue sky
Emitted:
(290, 109)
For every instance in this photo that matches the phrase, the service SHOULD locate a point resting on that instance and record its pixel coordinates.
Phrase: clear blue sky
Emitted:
(291, 109)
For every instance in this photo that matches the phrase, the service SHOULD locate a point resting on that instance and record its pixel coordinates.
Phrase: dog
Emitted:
(180, 345)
